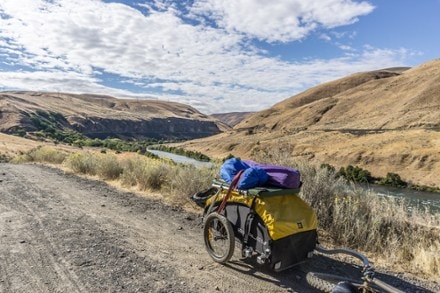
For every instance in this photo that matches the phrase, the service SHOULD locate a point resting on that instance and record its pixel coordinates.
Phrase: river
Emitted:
(415, 199)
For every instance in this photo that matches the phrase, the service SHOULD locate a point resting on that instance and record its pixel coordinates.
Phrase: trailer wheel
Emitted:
(219, 237)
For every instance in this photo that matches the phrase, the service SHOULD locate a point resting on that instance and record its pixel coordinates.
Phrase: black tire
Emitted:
(200, 198)
(219, 237)
(327, 282)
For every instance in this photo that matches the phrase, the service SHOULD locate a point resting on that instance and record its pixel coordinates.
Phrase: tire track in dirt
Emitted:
(36, 242)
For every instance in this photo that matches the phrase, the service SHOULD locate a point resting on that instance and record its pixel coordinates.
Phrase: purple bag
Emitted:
(279, 176)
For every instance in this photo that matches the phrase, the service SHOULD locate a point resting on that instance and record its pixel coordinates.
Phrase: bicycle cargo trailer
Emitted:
(274, 225)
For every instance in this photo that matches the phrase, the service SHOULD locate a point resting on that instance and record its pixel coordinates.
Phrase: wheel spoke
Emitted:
(219, 237)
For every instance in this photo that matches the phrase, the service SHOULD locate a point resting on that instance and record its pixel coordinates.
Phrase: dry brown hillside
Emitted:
(102, 116)
(232, 118)
(383, 121)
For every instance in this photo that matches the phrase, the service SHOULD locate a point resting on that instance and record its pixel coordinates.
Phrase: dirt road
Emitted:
(63, 233)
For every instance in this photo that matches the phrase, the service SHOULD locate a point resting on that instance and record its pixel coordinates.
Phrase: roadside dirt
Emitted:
(63, 233)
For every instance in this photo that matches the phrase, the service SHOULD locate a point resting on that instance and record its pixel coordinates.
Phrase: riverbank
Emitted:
(420, 200)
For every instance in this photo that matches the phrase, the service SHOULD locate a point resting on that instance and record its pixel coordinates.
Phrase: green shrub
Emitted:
(393, 179)
(230, 156)
(183, 152)
(356, 174)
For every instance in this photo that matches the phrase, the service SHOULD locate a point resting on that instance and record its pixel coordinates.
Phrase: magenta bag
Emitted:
(279, 176)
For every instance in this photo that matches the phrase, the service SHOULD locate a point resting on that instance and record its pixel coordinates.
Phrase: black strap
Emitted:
(248, 224)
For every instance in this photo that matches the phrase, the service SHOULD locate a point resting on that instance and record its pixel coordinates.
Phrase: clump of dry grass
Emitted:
(42, 155)
(186, 180)
(83, 163)
(108, 167)
(361, 220)
(174, 180)
(4, 158)
(144, 172)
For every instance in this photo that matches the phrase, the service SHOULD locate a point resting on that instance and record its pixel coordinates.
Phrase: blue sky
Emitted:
(215, 55)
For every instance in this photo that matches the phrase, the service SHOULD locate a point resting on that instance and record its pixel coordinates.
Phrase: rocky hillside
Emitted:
(102, 116)
(383, 121)
(232, 118)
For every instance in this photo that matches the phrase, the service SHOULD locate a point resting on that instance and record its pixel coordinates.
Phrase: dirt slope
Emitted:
(62, 233)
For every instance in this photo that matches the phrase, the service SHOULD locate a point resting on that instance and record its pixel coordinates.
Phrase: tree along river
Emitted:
(181, 159)
(415, 199)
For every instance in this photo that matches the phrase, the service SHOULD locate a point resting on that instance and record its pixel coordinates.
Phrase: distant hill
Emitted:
(232, 118)
(99, 116)
(384, 121)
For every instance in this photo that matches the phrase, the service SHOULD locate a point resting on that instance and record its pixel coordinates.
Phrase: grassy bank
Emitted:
(354, 218)
(175, 182)
(347, 216)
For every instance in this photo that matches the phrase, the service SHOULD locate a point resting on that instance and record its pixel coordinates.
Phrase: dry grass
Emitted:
(349, 216)
(41, 154)
(83, 163)
(13, 145)
(412, 153)
(186, 180)
(382, 227)
(175, 182)
(145, 173)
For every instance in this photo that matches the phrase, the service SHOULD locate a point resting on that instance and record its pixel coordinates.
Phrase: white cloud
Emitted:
(282, 20)
(70, 45)
(325, 37)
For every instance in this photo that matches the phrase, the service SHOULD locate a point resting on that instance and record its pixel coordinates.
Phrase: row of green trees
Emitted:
(179, 151)
(358, 175)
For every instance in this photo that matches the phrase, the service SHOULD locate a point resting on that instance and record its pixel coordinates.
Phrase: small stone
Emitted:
(180, 228)
(103, 205)
(217, 288)
(22, 241)
(201, 268)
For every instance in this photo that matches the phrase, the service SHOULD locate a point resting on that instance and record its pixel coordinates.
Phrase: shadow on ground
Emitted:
(294, 279)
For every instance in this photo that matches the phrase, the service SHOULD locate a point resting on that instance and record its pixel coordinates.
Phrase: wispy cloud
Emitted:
(283, 20)
(202, 56)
